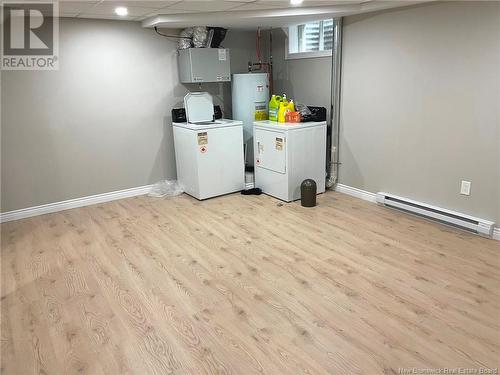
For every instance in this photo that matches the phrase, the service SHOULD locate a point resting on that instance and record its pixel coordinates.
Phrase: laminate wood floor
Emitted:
(244, 285)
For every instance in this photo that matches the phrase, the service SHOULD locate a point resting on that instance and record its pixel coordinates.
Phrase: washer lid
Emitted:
(217, 124)
(199, 107)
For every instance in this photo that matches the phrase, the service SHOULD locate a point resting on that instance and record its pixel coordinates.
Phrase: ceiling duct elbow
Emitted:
(201, 37)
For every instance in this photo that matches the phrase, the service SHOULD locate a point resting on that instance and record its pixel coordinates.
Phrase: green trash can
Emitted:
(308, 190)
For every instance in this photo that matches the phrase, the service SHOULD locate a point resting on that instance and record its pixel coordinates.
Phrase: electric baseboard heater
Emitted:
(442, 215)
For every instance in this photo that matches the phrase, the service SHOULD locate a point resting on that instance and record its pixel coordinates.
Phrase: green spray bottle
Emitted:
(274, 105)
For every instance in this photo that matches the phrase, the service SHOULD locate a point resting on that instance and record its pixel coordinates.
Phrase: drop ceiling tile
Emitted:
(306, 3)
(204, 6)
(169, 11)
(107, 17)
(259, 6)
(141, 4)
(139, 10)
(108, 8)
(70, 7)
(165, 11)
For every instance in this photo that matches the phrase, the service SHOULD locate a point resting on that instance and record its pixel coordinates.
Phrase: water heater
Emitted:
(250, 92)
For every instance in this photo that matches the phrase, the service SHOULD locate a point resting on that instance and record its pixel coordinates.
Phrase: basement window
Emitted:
(312, 39)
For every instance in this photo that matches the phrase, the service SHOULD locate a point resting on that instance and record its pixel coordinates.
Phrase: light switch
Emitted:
(465, 188)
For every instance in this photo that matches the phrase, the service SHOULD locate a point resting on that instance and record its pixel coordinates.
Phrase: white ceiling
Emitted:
(139, 10)
(245, 13)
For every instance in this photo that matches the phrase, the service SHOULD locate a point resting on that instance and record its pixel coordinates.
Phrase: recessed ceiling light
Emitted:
(121, 11)
(296, 2)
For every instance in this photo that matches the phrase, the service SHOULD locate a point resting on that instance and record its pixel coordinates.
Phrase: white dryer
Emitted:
(286, 154)
(208, 152)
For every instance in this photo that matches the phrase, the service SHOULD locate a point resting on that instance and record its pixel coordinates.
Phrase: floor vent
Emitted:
(456, 219)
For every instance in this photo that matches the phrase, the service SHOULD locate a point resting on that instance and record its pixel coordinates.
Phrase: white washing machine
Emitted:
(286, 154)
(208, 152)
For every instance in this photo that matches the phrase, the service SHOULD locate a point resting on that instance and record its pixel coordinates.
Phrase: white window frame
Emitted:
(291, 33)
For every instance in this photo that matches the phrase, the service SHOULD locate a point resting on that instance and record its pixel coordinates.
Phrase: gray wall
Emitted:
(307, 81)
(242, 47)
(99, 124)
(420, 104)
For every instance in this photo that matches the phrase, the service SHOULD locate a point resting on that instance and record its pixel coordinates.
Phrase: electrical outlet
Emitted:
(465, 188)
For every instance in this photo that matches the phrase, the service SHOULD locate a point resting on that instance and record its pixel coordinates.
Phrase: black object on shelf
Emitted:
(179, 114)
(308, 190)
(217, 112)
(318, 114)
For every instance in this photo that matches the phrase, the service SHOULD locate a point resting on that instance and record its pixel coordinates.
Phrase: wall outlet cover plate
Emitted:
(465, 188)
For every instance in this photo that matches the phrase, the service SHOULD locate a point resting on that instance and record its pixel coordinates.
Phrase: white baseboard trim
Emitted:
(355, 192)
(142, 190)
(372, 197)
(73, 203)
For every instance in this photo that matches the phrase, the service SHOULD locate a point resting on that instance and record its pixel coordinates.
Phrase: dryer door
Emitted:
(270, 149)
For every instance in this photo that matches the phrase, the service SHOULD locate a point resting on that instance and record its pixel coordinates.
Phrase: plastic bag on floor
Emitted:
(166, 188)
